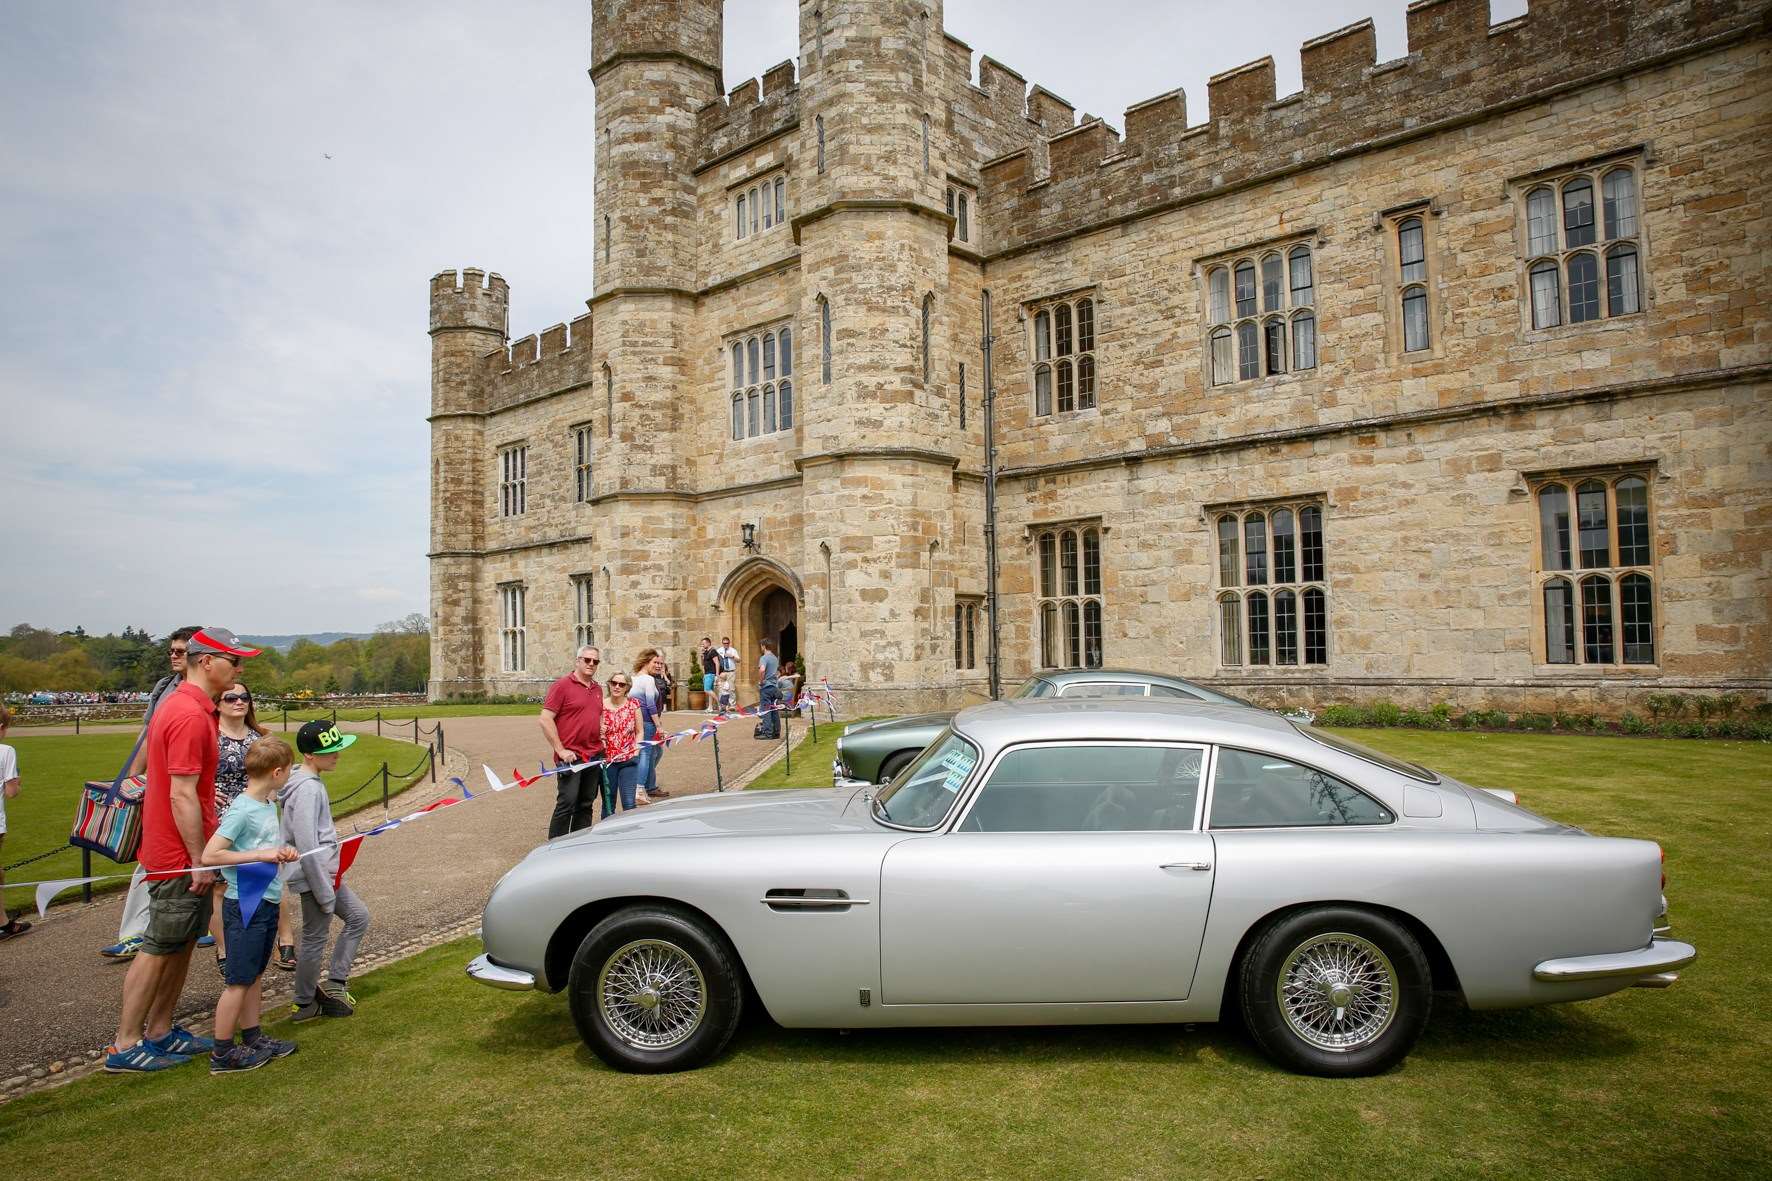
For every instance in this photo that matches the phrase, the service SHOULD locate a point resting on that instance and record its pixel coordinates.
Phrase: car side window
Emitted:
(1251, 790)
(1135, 787)
(1172, 691)
(1102, 689)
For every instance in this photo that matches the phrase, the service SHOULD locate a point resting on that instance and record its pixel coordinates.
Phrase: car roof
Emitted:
(998, 724)
(1060, 677)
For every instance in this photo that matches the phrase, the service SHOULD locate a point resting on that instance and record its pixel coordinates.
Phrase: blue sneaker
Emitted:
(235, 1059)
(141, 1059)
(279, 1048)
(206, 941)
(124, 950)
(179, 1040)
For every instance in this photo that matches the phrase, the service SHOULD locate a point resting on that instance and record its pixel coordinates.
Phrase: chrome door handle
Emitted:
(1199, 865)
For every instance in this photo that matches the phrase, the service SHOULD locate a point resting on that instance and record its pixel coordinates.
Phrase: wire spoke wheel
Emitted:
(1337, 991)
(651, 994)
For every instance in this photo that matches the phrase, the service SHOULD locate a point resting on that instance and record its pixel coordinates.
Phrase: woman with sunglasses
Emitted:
(621, 742)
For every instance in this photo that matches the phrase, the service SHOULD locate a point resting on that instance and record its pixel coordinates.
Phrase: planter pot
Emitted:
(698, 699)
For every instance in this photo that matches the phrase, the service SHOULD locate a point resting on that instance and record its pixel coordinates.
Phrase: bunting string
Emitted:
(254, 878)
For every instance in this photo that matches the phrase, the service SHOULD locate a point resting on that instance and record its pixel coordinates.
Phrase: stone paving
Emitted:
(423, 883)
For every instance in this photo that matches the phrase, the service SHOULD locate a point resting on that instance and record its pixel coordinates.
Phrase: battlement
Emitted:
(685, 30)
(555, 359)
(471, 298)
(751, 112)
(1457, 63)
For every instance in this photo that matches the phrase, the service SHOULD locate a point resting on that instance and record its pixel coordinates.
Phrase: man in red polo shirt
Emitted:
(572, 722)
(178, 818)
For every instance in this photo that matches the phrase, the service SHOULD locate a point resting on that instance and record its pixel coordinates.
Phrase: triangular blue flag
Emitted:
(253, 879)
(465, 793)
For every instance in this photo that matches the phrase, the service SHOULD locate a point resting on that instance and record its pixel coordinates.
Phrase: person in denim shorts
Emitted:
(248, 833)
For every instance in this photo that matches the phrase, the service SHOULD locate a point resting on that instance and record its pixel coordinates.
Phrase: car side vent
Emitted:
(810, 898)
(867, 997)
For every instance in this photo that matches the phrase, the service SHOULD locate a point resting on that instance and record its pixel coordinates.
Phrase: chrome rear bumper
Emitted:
(1653, 962)
(498, 976)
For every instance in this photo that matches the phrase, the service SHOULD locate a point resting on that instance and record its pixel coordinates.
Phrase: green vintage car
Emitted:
(873, 752)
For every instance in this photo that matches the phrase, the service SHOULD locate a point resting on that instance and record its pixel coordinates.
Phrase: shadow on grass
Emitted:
(1453, 1034)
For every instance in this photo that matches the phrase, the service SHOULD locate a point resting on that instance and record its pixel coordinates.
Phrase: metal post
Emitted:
(431, 758)
(76, 721)
(787, 748)
(719, 783)
(384, 786)
(86, 872)
(285, 717)
(378, 723)
(415, 728)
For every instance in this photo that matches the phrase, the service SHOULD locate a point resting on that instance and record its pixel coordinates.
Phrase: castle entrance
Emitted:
(760, 600)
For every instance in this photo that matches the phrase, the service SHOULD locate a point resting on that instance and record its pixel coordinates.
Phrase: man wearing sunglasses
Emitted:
(135, 903)
(178, 818)
(572, 722)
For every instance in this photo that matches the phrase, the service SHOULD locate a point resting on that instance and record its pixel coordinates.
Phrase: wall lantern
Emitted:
(750, 537)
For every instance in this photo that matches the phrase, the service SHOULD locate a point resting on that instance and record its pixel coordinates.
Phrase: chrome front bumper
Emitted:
(1655, 963)
(498, 976)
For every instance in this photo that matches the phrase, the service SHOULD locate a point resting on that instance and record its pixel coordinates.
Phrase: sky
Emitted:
(217, 224)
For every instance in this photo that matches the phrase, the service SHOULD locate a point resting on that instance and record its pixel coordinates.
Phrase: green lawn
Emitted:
(811, 761)
(450, 1079)
(53, 769)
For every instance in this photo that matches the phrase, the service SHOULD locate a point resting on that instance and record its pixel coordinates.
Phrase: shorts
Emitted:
(249, 944)
(176, 917)
(707, 682)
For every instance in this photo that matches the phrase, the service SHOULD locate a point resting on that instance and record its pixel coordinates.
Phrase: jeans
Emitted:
(624, 780)
(575, 801)
(769, 725)
(316, 925)
(649, 759)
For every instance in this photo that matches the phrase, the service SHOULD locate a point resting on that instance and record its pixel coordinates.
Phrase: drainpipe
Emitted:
(990, 503)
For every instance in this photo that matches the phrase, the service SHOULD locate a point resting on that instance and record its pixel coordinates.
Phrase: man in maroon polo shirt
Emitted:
(572, 721)
(178, 818)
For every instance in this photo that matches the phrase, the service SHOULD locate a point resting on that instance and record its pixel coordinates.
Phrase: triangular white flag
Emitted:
(48, 890)
(492, 779)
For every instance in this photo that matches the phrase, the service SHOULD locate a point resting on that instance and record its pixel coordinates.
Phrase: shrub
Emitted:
(1665, 705)
(1568, 721)
(1486, 719)
(1442, 712)
(1534, 721)
(1384, 713)
(1341, 715)
(1632, 724)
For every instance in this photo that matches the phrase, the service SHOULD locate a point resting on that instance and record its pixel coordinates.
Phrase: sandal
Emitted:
(221, 964)
(285, 960)
(13, 929)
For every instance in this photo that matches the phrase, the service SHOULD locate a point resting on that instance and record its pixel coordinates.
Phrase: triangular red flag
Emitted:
(347, 853)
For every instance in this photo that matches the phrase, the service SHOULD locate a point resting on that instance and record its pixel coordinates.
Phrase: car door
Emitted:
(1076, 874)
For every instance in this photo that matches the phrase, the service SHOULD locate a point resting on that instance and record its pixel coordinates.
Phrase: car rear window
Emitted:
(1348, 746)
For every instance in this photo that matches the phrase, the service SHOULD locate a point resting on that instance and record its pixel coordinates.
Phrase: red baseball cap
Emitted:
(219, 641)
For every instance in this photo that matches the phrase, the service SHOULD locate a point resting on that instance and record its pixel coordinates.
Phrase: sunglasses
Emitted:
(177, 651)
(619, 684)
(589, 660)
(234, 698)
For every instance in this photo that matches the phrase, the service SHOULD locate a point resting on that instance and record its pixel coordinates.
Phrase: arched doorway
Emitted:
(760, 600)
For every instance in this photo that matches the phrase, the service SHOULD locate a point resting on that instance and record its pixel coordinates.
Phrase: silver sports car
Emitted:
(1071, 862)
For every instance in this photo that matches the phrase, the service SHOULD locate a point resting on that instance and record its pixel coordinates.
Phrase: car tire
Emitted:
(894, 764)
(1336, 991)
(654, 989)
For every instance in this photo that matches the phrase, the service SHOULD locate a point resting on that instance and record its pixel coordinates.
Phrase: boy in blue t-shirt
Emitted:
(248, 832)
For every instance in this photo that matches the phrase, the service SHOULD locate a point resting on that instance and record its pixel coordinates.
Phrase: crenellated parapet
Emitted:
(750, 113)
(1457, 64)
(557, 359)
(469, 299)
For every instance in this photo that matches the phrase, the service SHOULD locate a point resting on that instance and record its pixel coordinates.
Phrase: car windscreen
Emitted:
(923, 793)
(1348, 746)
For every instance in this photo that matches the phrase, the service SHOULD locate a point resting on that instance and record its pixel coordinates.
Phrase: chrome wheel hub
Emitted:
(651, 994)
(1338, 992)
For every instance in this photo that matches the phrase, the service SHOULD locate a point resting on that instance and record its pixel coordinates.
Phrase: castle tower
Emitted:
(654, 63)
(469, 316)
(874, 231)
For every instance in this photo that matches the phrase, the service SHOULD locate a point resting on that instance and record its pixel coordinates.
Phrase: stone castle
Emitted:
(1444, 377)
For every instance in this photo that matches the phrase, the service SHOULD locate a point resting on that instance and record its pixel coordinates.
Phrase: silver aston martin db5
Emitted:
(1069, 862)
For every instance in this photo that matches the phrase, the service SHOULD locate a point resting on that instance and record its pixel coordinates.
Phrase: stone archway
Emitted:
(760, 600)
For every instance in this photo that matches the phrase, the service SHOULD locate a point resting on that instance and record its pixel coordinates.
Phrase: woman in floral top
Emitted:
(621, 740)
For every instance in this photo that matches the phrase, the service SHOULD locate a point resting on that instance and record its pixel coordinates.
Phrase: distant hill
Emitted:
(285, 643)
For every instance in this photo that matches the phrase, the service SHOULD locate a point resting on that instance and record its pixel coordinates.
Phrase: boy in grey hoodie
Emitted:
(307, 824)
